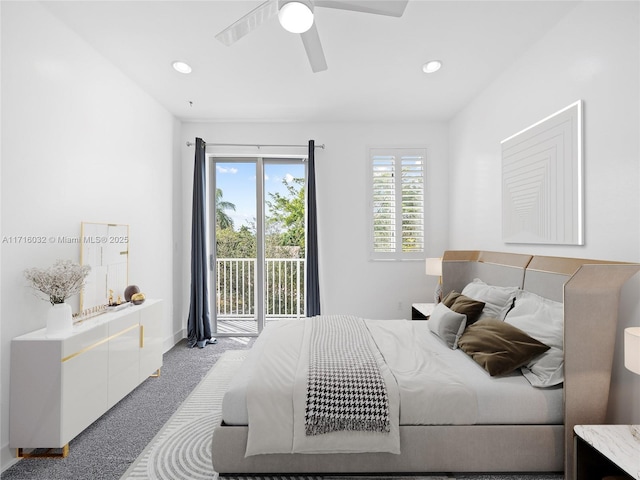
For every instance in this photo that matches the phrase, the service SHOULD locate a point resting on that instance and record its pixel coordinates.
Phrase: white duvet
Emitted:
(416, 378)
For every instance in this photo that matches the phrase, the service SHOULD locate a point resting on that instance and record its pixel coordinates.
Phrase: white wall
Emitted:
(80, 142)
(593, 55)
(350, 283)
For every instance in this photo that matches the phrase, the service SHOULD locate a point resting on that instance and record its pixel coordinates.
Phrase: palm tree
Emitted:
(222, 219)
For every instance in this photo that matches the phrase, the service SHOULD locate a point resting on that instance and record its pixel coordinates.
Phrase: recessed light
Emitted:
(432, 66)
(181, 67)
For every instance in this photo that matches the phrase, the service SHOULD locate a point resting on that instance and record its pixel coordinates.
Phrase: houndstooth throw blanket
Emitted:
(346, 390)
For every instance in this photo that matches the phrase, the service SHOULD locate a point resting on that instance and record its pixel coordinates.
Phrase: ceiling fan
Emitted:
(296, 16)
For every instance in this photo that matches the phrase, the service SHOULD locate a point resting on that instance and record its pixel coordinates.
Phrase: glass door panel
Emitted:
(236, 250)
(258, 263)
(284, 188)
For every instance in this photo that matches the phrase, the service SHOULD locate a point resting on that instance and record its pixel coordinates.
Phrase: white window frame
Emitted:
(396, 156)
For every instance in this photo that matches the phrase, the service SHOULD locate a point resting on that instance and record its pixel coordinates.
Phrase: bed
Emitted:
(442, 410)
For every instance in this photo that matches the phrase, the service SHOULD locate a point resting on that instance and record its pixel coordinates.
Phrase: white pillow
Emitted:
(542, 319)
(498, 300)
(447, 324)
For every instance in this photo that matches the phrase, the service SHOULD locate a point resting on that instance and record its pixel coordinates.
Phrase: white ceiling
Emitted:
(374, 62)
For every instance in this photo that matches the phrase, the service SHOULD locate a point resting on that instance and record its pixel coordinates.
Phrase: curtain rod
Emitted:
(257, 145)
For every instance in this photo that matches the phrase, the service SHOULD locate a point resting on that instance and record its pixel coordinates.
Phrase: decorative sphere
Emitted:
(129, 291)
(138, 298)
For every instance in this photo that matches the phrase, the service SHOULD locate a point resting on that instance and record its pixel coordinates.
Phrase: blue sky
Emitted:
(238, 184)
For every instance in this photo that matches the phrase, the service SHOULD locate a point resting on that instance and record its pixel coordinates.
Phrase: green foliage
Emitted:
(286, 218)
(284, 229)
(223, 220)
(284, 242)
(236, 244)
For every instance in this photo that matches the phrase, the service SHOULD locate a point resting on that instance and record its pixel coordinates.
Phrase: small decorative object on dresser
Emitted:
(129, 291)
(137, 298)
(58, 282)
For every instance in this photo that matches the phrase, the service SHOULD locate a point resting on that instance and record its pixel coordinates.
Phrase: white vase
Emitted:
(59, 319)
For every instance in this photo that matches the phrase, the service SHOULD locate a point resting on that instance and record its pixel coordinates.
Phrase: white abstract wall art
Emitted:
(542, 184)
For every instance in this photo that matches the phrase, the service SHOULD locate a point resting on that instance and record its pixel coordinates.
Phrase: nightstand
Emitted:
(607, 451)
(421, 311)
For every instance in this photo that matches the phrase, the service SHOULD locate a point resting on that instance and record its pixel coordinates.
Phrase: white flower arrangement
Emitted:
(60, 281)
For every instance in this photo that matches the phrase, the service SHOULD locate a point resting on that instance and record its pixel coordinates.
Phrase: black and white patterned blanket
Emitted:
(345, 390)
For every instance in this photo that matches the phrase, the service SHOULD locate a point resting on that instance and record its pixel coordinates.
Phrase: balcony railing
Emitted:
(236, 288)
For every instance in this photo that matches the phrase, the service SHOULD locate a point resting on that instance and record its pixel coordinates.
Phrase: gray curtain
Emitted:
(313, 284)
(199, 324)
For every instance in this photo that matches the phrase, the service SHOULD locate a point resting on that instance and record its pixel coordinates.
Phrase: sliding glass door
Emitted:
(258, 242)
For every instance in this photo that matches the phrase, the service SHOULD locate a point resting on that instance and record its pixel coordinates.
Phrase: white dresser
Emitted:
(62, 384)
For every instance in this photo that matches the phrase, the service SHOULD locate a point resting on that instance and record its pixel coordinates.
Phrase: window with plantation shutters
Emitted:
(397, 203)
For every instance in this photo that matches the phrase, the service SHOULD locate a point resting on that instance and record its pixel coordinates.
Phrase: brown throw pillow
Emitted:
(450, 298)
(462, 304)
(469, 307)
(499, 347)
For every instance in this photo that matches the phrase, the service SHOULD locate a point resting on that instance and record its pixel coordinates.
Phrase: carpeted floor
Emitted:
(182, 448)
(105, 450)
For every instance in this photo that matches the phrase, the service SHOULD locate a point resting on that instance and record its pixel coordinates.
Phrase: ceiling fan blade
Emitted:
(249, 22)
(313, 47)
(392, 8)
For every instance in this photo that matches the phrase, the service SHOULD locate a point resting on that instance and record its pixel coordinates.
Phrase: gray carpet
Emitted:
(182, 448)
(105, 450)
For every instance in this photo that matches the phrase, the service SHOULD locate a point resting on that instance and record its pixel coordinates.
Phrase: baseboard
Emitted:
(7, 457)
(170, 342)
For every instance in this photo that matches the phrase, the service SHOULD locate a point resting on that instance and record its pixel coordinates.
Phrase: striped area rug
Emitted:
(182, 448)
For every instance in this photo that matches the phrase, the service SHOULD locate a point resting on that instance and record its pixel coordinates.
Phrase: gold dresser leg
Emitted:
(155, 375)
(48, 453)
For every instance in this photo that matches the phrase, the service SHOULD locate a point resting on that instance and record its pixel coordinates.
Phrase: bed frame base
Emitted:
(476, 448)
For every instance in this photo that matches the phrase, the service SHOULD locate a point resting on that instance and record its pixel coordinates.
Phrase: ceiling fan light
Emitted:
(295, 17)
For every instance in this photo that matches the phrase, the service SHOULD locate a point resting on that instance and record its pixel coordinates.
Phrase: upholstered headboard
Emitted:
(460, 267)
(590, 291)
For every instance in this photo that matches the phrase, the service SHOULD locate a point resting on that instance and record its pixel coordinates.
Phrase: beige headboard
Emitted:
(460, 267)
(590, 290)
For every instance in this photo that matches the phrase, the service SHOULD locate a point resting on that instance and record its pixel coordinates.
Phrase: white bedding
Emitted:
(276, 399)
(464, 393)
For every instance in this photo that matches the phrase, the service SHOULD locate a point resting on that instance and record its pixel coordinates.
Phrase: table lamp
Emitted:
(433, 267)
(632, 349)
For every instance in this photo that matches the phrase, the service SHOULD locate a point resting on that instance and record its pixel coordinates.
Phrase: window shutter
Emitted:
(397, 215)
(412, 184)
(384, 204)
